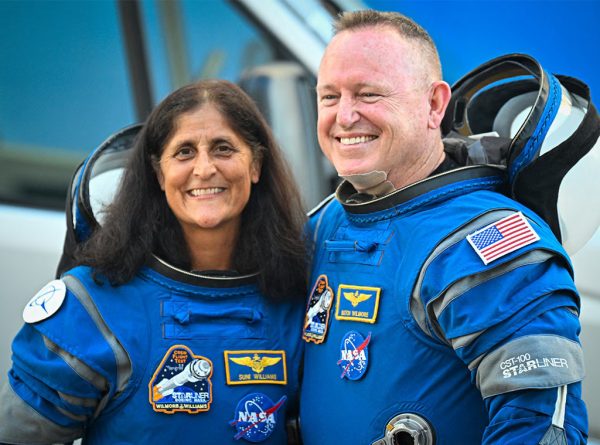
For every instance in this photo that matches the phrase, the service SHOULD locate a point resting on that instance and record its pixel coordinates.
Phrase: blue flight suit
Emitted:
(420, 324)
(169, 357)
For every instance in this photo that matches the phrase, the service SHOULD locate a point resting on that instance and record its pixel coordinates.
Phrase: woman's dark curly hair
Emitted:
(140, 223)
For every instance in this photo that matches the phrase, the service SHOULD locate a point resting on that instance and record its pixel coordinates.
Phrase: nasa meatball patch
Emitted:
(354, 355)
(255, 417)
(181, 383)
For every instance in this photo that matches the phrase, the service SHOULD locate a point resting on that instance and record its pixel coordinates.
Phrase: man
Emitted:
(429, 339)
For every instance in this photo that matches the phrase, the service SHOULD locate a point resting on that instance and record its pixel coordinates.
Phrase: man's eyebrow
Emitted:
(329, 87)
(326, 87)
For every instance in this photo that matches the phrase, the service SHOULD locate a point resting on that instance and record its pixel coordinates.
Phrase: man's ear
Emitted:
(438, 102)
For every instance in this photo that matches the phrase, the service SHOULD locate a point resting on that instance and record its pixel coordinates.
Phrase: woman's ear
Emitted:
(255, 170)
(158, 172)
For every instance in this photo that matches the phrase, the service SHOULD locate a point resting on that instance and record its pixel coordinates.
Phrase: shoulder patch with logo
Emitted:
(181, 383)
(354, 355)
(255, 366)
(316, 320)
(357, 303)
(46, 302)
(255, 417)
(502, 237)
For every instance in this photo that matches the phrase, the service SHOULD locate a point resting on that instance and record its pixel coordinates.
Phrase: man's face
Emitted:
(373, 104)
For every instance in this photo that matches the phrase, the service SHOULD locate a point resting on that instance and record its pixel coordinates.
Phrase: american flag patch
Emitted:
(502, 237)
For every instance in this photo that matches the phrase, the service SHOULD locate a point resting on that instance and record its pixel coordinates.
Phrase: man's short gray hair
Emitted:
(406, 27)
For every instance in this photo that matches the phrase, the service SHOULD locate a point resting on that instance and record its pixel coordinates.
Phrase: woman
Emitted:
(182, 320)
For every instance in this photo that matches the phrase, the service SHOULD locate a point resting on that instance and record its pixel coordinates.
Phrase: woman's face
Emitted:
(206, 171)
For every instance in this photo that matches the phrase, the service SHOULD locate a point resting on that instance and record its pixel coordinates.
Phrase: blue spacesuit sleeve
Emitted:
(514, 323)
(526, 417)
(532, 383)
(63, 373)
(45, 390)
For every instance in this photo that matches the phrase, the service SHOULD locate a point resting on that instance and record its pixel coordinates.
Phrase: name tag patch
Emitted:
(181, 383)
(357, 303)
(254, 366)
(255, 417)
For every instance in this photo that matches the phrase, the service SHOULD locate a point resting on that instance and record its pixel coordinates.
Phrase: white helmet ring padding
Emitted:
(93, 187)
(553, 161)
(100, 178)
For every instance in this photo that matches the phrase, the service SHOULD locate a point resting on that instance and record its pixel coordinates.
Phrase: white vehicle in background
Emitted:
(75, 72)
(101, 66)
